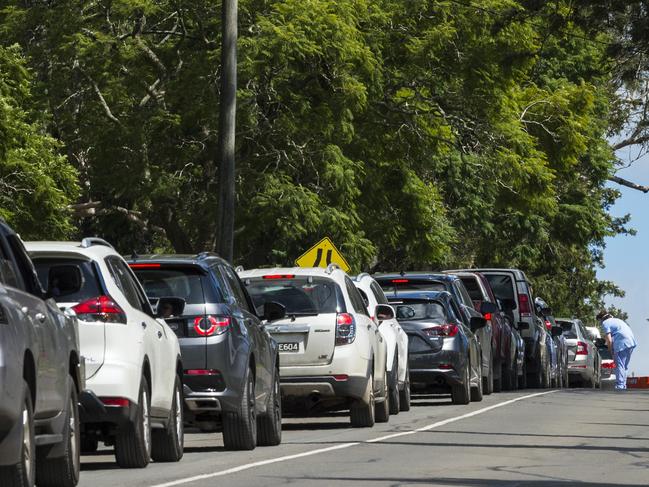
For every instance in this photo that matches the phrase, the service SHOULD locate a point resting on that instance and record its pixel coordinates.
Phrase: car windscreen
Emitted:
(569, 328)
(502, 286)
(395, 286)
(419, 309)
(90, 285)
(173, 281)
(300, 295)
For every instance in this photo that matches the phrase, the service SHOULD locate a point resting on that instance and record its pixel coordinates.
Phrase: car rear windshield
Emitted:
(502, 286)
(569, 329)
(90, 285)
(419, 309)
(397, 285)
(175, 281)
(300, 295)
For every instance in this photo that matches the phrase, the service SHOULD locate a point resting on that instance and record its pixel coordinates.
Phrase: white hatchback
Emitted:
(332, 355)
(133, 363)
(397, 344)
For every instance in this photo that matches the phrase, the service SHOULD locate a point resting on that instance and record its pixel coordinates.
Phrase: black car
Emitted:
(41, 377)
(394, 284)
(231, 377)
(443, 352)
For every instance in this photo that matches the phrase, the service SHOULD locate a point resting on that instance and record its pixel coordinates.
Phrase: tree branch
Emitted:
(628, 184)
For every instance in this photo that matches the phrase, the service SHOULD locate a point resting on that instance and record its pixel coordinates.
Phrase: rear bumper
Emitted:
(93, 411)
(351, 387)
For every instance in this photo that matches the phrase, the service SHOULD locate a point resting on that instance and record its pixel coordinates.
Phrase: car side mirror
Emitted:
(488, 308)
(557, 331)
(384, 312)
(273, 311)
(508, 304)
(63, 280)
(521, 325)
(169, 306)
(477, 322)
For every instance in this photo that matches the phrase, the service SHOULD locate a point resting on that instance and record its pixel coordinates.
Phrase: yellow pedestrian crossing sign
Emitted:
(321, 255)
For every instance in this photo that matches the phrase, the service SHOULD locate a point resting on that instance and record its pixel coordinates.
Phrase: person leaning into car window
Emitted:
(620, 342)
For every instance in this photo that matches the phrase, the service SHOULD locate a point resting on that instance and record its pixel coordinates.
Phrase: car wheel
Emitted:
(546, 378)
(489, 383)
(361, 413)
(240, 427)
(461, 393)
(269, 426)
(477, 391)
(395, 405)
(404, 394)
(23, 473)
(497, 375)
(507, 376)
(382, 409)
(522, 379)
(535, 379)
(133, 441)
(168, 443)
(63, 471)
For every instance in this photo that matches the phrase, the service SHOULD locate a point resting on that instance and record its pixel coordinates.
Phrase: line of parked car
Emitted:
(129, 352)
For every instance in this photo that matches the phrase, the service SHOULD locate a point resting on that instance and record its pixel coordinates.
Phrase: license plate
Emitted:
(289, 347)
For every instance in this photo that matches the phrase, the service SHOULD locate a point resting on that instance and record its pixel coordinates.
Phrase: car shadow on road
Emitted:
(307, 426)
(469, 482)
(93, 466)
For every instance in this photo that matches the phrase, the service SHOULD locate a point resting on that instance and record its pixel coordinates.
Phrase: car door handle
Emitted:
(159, 334)
(25, 310)
(144, 325)
(40, 317)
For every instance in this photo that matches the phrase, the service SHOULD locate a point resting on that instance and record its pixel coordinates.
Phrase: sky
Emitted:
(627, 262)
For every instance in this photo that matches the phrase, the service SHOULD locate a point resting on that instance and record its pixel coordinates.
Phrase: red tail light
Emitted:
(548, 325)
(608, 365)
(116, 402)
(144, 266)
(524, 305)
(279, 276)
(202, 372)
(101, 308)
(445, 331)
(209, 325)
(582, 348)
(487, 316)
(341, 377)
(400, 281)
(345, 329)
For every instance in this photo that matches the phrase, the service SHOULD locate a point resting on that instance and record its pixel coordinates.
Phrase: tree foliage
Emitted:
(416, 134)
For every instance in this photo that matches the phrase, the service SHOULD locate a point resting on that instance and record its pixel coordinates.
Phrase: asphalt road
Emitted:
(527, 438)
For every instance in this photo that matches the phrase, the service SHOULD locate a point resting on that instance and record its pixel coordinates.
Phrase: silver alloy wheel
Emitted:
(73, 437)
(180, 432)
(145, 423)
(28, 447)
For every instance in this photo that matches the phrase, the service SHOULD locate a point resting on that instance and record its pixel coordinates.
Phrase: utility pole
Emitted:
(227, 125)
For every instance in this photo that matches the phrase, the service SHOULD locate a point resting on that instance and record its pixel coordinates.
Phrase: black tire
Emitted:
(133, 441)
(63, 471)
(240, 427)
(89, 444)
(522, 379)
(393, 386)
(488, 383)
(23, 473)
(507, 376)
(535, 379)
(168, 444)
(461, 393)
(361, 414)
(404, 394)
(269, 426)
(546, 378)
(382, 409)
(477, 391)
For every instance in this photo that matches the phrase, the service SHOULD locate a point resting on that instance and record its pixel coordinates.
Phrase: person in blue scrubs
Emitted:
(621, 343)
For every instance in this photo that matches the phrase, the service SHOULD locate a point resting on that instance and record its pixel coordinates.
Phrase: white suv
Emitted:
(133, 367)
(397, 344)
(332, 355)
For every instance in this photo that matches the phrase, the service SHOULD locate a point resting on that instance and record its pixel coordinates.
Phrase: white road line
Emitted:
(342, 446)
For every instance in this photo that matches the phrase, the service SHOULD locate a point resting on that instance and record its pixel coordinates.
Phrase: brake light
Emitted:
(445, 331)
(445, 366)
(115, 402)
(548, 325)
(144, 266)
(202, 372)
(211, 325)
(608, 365)
(582, 348)
(345, 329)
(487, 316)
(279, 276)
(524, 305)
(340, 377)
(400, 281)
(101, 308)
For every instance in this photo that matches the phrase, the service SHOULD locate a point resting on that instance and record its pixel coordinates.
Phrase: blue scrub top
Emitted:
(621, 334)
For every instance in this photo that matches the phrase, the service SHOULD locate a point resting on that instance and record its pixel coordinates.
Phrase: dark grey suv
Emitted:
(40, 377)
(231, 376)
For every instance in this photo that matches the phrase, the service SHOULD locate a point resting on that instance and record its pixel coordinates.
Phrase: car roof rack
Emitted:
(206, 254)
(361, 276)
(238, 269)
(90, 241)
(332, 267)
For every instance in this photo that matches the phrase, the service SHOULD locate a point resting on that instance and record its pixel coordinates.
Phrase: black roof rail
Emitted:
(206, 254)
(90, 241)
